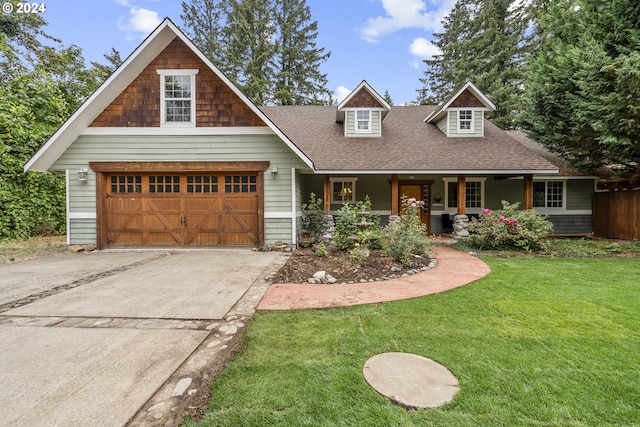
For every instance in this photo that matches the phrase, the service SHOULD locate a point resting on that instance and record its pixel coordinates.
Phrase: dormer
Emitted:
(462, 115)
(362, 112)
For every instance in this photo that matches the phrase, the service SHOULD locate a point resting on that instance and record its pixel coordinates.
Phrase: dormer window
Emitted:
(363, 121)
(177, 97)
(465, 121)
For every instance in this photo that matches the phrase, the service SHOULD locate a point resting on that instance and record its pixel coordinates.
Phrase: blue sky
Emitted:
(381, 41)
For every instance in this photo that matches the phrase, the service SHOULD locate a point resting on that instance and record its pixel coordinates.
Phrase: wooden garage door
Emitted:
(182, 209)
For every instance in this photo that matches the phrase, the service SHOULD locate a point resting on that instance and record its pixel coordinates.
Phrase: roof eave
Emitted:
(437, 171)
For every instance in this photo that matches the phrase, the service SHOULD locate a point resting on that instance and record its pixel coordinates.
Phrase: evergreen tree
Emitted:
(250, 49)
(204, 22)
(485, 41)
(266, 47)
(387, 97)
(298, 80)
(583, 87)
(103, 71)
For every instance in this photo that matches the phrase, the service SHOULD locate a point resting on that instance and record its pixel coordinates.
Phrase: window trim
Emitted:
(368, 120)
(342, 180)
(471, 120)
(187, 72)
(454, 181)
(546, 208)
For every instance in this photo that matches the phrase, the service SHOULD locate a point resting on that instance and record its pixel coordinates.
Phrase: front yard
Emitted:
(540, 341)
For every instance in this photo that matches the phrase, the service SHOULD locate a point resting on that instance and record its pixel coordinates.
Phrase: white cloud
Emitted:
(140, 20)
(123, 2)
(423, 48)
(406, 14)
(341, 93)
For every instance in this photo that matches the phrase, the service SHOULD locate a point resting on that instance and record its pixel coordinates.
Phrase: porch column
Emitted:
(528, 192)
(395, 208)
(461, 220)
(327, 195)
(462, 195)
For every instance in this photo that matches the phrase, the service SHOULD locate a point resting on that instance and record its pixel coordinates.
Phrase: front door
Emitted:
(421, 191)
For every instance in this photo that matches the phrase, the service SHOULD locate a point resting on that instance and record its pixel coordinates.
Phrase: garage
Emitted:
(209, 204)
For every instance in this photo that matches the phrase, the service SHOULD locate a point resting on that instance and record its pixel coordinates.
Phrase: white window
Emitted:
(178, 97)
(465, 121)
(343, 190)
(474, 189)
(548, 194)
(363, 121)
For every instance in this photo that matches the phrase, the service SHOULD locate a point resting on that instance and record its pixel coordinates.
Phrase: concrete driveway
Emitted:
(121, 337)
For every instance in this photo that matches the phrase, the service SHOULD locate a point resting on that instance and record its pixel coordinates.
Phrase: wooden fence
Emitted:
(616, 214)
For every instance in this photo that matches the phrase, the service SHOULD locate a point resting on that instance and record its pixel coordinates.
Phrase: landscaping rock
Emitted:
(320, 275)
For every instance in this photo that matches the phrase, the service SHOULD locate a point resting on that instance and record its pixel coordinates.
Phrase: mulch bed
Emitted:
(303, 263)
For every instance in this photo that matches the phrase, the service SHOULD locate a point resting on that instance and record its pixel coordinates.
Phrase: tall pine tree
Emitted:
(204, 22)
(485, 41)
(298, 79)
(266, 47)
(250, 49)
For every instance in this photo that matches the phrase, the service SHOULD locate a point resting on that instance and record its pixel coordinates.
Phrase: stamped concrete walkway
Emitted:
(454, 269)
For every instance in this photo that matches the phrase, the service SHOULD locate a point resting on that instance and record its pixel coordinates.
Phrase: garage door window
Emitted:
(240, 184)
(126, 184)
(202, 184)
(164, 184)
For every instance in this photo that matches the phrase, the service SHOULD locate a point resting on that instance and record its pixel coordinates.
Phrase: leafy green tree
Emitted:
(40, 87)
(487, 42)
(583, 87)
(32, 106)
(298, 79)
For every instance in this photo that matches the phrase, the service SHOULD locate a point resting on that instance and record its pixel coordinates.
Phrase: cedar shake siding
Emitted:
(466, 100)
(139, 104)
(363, 99)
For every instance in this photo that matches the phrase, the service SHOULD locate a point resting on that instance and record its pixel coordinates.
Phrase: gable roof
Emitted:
(146, 52)
(376, 98)
(439, 112)
(407, 145)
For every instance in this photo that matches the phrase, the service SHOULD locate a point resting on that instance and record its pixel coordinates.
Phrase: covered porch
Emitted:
(456, 196)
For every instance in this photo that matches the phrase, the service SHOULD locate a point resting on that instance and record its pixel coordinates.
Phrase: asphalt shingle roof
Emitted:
(407, 144)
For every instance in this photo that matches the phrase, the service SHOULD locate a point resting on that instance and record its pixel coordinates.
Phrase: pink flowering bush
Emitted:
(510, 228)
(408, 236)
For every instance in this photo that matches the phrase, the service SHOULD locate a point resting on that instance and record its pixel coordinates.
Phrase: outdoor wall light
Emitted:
(82, 174)
(274, 172)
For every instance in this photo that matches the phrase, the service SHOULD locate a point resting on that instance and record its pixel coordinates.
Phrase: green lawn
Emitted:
(538, 342)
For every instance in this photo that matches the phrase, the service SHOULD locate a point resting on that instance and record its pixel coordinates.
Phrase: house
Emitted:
(168, 152)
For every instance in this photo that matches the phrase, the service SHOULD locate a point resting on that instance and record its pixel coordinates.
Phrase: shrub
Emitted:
(409, 235)
(510, 228)
(313, 218)
(349, 228)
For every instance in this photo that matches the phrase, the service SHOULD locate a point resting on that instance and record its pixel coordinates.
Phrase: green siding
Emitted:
(571, 224)
(478, 117)
(442, 124)
(84, 231)
(580, 194)
(350, 125)
(82, 195)
(277, 229)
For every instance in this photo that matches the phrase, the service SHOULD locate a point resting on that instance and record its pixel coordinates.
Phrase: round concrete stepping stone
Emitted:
(410, 380)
